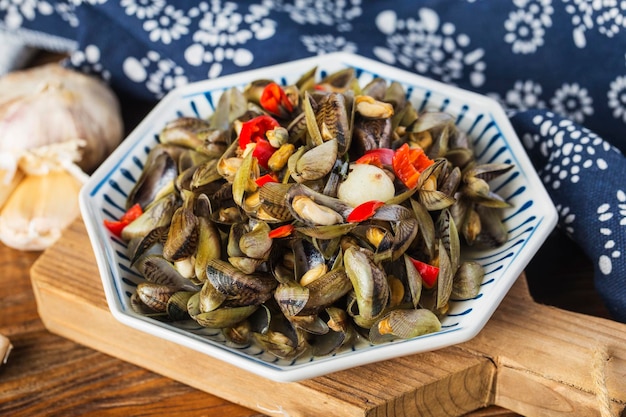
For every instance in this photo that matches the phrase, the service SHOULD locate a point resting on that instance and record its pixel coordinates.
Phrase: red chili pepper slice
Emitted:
(428, 272)
(378, 157)
(116, 226)
(263, 151)
(264, 179)
(364, 211)
(255, 129)
(408, 163)
(281, 231)
(274, 100)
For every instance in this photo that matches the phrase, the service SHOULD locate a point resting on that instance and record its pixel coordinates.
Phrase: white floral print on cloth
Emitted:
(557, 66)
(586, 179)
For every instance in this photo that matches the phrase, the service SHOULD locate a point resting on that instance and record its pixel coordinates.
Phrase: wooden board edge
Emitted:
(533, 395)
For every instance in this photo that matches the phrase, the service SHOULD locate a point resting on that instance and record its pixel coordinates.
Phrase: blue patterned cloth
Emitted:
(558, 67)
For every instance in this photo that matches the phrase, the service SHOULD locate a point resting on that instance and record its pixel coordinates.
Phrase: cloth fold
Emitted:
(586, 179)
(557, 66)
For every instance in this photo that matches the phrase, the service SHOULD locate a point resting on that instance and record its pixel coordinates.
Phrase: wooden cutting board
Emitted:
(531, 359)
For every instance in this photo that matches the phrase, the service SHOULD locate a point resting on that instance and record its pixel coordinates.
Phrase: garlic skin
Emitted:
(56, 127)
(52, 117)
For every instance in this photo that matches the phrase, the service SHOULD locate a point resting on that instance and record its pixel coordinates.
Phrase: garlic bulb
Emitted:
(52, 117)
(56, 126)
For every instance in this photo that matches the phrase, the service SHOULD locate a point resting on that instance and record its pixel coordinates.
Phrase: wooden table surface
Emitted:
(47, 375)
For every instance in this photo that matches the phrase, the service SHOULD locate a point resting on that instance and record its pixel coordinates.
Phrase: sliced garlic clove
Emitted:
(38, 210)
(9, 181)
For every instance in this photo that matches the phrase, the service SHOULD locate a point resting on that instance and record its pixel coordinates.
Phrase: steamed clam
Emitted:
(306, 216)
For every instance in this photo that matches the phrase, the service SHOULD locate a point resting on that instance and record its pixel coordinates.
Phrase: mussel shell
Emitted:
(160, 171)
(194, 133)
(291, 297)
(283, 339)
(471, 226)
(205, 177)
(326, 290)
(240, 334)
(306, 256)
(341, 332)
(493, 232)
(239, 288)
(445, 279)
(209, 298)
(449, 235)
(376, 88)
(154, 295)
(405, 232)
(314, 163)
(272, 196)
(327, 232)
(209, 239)
(232, 105)
(158, 270)
(460, 157)
(158, 214)
(392, 213)
(312, 324)
(467, 280)
(404, 324)
(182, 236)
(245, 264)
(451, 181)
(338, 81)
(139, 307)
(139, 247)
(334, 117)
(413, 280)
(370, 134)
(396, 96)
(429, 120)
(176, 307)
(237, 230)
(426, 227)
(369, 281)
(300, 191)
(256, 243)
(331, 342)
(489, 172)
(476, 186)
(242, 181)
(225, 316)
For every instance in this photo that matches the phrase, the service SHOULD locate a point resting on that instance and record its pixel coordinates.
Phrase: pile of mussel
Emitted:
(307, 216)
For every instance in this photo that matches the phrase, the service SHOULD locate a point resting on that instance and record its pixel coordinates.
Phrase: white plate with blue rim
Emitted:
(529, 220)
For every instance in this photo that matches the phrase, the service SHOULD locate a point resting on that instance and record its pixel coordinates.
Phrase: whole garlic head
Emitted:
(56, 126)
(52, 117)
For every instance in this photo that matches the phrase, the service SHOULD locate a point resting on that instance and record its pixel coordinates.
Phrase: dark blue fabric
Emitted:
(559, 67)
(585, 177)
